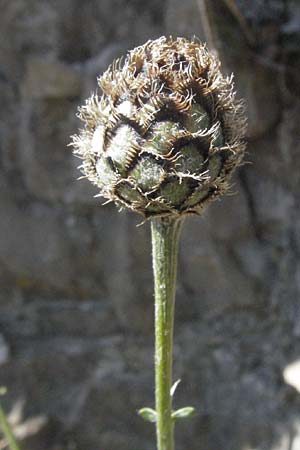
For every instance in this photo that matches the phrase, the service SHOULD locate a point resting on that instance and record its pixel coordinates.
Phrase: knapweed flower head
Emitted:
(167, 132)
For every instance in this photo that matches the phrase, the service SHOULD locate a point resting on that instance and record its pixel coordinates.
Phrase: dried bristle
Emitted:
(167, 132)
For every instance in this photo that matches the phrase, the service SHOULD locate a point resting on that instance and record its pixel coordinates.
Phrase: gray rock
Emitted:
(210, 272)
(183, 19)
(36, 234)
(50, 79)
(257, 85)
(131, 290)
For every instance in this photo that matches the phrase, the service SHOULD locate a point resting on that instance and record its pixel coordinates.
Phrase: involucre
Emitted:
(167, 132)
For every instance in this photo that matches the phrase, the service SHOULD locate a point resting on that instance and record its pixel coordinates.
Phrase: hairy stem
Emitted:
(165, 238)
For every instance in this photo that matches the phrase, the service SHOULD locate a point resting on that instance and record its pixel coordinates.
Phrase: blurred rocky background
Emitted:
(76, 304)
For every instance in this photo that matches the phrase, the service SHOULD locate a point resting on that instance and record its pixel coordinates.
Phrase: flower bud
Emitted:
(167, 132)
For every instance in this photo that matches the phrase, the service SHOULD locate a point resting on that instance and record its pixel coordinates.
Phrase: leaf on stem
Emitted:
(148, 414)
(183, 413)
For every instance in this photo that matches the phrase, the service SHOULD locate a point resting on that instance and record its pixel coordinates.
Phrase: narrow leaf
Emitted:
(148, 414)
(183, 413)
(7, 431)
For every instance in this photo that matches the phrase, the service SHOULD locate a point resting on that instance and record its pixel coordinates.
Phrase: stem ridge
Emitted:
(165, 233)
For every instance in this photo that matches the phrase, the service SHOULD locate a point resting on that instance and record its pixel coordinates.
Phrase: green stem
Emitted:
(7, 431)
(165, 238)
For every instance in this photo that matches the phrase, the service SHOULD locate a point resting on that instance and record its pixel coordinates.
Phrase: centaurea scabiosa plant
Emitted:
(163, 140)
